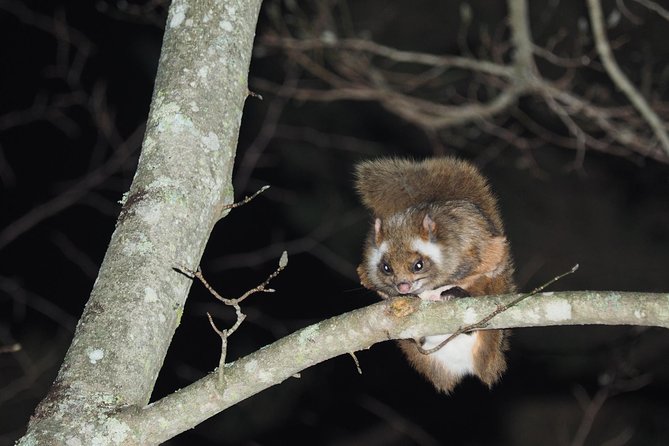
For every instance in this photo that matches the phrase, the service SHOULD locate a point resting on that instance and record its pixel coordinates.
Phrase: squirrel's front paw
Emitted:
(446, 292)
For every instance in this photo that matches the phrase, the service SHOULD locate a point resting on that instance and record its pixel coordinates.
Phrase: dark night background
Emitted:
(76, 85)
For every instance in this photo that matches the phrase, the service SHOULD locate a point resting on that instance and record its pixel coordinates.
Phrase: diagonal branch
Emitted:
(619, 78)
(401, 318)
(483, 323)
(653, 6)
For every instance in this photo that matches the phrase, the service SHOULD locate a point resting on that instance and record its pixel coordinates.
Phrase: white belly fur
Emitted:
(457, 356)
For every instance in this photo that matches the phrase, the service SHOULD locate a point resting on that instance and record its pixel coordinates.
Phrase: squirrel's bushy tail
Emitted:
(391, 185)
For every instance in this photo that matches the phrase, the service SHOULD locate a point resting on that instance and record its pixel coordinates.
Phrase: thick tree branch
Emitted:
(181, 189)
(391, 319)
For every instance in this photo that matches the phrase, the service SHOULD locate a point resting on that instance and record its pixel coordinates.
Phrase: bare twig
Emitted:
(620, 4)
(392, 54)
(74, 254)
(262, 288)
(42, 305)
(418, 87)
(224, 335)
(619, 78)
(357, 363)
(591, 407)
(653, 6)
(246, 199)
(611, 384)
(483, 323)
(312, 242)
(252, 154)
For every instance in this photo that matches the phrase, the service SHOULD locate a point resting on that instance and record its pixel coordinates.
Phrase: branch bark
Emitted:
(391, 319)
(179, 192)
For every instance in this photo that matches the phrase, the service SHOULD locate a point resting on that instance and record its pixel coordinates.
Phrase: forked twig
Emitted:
(262, 288)
(500, 309)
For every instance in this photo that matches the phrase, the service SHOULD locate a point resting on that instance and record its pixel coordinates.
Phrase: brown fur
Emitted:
(448, 203)
(391, 185)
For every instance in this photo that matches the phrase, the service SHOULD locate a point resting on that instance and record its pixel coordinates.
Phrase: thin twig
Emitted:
(653, 6)
(262, 288)
(246, 199)
(357, 363)
(253, 94)
(256, 149)
(225, 334)
(619, 78)
(591, 407)
(500, 309)
(393, 54)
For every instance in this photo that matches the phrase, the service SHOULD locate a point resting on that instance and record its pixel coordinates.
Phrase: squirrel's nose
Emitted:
(404, 287)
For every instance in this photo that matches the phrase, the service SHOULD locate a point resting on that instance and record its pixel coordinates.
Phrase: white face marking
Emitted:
(428, 249)
(457, 356)
(376, 256)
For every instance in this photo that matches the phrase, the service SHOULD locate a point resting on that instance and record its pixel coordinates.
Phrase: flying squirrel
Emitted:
(437, 234)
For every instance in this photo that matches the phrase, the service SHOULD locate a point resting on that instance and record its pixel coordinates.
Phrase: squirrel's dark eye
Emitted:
(386, 268)
(418, 266)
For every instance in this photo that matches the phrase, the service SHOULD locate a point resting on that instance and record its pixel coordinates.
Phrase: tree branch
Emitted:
(653, 6)
(414, 86)
(483, 323)
(521, 37)
(386, 52)
(390, 319)
(181, 189)
(619, 78)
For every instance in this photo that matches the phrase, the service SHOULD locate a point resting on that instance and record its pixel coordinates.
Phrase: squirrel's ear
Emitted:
(494, 256)
(429, 228)
(378, 236)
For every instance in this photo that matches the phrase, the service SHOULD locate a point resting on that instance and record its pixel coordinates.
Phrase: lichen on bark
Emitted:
(183, 181)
